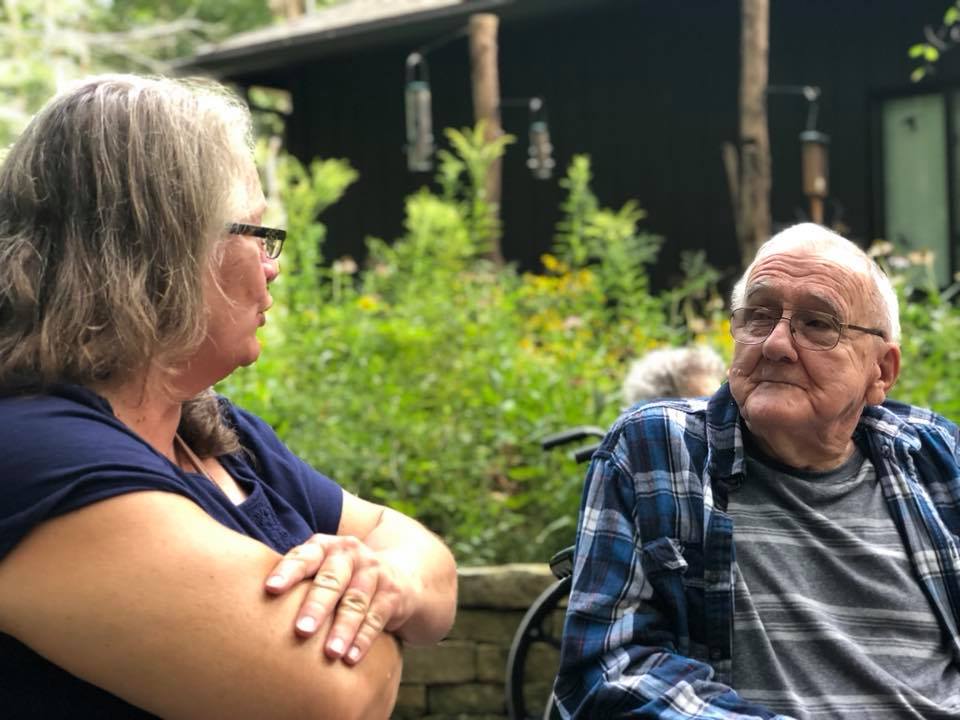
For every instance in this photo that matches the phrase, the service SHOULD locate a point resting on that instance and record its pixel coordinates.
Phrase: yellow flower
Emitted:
(553, 264)
(368, 302)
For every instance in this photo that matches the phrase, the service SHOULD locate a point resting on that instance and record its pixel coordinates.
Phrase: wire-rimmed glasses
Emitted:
(810, 329)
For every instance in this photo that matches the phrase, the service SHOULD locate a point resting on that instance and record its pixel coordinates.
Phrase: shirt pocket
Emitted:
(663, 555)
(665, 563)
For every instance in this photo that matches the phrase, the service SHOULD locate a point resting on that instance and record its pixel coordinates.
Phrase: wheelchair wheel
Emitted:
(529, 689)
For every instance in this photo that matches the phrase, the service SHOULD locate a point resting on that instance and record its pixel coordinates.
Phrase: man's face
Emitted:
(781, 388)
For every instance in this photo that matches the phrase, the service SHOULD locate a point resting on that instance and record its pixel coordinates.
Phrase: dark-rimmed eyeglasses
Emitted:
(270, 238)
(810, 329)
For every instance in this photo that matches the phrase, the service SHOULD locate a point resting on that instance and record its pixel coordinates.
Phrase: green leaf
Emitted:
(917, 50)
(918, 74)
(951, 16)
(931, 54)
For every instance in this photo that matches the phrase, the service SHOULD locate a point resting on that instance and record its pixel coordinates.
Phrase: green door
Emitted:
(915, 178)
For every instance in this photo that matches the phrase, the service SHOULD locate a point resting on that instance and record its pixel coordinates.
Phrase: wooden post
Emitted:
(753, 227)
(288, 9)
(486, 106)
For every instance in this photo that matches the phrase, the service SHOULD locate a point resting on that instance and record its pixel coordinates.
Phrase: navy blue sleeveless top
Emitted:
(64, 450)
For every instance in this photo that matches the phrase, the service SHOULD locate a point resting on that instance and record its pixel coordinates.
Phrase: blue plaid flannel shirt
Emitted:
(649, 626)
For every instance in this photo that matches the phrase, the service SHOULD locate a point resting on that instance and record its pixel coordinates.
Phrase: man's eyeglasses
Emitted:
(271, 238)
(810, 329)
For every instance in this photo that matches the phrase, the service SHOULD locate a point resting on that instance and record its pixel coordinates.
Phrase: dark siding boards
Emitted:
(648, 89)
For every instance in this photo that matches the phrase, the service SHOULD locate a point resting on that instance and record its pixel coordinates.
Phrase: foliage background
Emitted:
(426, 378)
(45, 44)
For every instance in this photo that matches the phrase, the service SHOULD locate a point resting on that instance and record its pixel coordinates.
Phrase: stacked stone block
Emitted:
(463, 678)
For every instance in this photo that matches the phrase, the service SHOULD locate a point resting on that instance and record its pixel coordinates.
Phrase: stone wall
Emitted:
(463, 677)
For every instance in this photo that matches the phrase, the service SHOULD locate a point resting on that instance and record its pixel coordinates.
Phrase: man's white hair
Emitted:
(814, 238)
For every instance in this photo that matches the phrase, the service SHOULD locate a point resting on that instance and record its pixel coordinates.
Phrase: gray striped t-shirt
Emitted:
(830, 621)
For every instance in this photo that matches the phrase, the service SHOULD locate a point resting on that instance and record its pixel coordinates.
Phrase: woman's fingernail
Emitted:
(275, 581)
(354, 654)
(306, 624)
(336, 646)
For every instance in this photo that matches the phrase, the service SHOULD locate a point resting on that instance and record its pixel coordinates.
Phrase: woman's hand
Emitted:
(366, 593)
(382, 571)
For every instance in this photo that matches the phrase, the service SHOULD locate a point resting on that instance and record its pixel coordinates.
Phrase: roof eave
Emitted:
(259, 54)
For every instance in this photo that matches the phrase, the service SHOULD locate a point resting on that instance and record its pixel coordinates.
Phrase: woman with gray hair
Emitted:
(690, 371)
(161, 551)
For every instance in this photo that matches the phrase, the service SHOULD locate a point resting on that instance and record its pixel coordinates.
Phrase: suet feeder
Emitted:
(814, 154)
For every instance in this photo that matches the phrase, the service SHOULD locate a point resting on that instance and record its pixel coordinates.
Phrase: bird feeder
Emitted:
(419, 121)
(815, 170)
(540, 151)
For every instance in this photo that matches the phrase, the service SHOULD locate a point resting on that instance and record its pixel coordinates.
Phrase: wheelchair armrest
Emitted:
(570, 435)
(561, 564)
(583, 454)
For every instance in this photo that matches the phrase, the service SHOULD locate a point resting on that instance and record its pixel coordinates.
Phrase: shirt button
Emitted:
(886, 450)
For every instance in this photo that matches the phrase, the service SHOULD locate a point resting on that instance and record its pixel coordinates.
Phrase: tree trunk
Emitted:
(486, 107)
(753, 207)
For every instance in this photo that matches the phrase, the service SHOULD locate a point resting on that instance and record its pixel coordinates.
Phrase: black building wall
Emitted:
(647, 88)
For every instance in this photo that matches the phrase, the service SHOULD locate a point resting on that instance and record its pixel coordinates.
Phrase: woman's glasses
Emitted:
(271, 238)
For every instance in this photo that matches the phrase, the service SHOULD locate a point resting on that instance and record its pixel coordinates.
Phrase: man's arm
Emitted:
(149, 598)
(628, 621)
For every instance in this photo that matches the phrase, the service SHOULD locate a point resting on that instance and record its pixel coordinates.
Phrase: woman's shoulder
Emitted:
(64, 423)
(53, 400)
(62, 449)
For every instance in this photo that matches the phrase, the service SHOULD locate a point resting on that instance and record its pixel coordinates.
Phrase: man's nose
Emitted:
(779, 344)
(776, 325)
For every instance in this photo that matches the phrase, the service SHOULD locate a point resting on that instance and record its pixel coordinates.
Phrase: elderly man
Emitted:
(788, 547)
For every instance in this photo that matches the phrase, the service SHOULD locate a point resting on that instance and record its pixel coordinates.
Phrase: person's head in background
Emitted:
(689, 371)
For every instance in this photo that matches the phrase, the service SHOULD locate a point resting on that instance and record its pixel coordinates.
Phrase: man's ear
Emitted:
(888, 365)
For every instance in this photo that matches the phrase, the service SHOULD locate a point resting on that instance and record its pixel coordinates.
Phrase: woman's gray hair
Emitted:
(112, 204)
(673, 372)
(816, 238)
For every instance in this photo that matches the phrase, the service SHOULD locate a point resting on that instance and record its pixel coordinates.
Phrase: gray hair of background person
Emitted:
(112, 203)
(836, 248)
(673, 372)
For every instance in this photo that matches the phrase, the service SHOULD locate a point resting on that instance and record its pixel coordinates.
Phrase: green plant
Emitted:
(462, 178)
(930, 332)
(425, 379)
(938, 40)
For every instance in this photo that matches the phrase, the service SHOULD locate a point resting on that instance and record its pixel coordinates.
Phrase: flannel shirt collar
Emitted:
(725, 431)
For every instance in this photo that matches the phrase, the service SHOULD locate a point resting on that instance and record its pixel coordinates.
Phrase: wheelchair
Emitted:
(536, 643)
